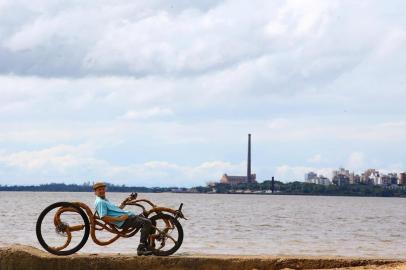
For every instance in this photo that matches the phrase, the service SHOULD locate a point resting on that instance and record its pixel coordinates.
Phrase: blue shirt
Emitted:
(105, 208)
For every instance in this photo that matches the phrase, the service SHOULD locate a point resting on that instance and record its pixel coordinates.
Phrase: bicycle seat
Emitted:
(112, 226)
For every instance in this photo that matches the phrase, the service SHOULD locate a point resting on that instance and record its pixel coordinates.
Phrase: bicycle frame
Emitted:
(96, 224)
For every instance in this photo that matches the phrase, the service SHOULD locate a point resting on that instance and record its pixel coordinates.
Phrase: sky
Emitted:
(164, 93)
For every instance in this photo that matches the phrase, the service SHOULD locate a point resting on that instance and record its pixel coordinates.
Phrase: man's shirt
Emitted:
(105, 208)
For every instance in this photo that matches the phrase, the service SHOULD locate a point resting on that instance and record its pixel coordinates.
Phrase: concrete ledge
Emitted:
(18, 257)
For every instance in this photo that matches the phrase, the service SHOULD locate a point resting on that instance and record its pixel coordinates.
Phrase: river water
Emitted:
(242, 224)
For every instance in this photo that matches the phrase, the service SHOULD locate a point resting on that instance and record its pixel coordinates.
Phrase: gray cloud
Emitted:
(179, 39)
(180, 83)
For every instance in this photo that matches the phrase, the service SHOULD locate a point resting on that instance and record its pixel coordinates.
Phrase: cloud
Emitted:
(77, 163)
(287, 173)
(184, 82)
(297, 19)
(148, 113)
(356, 161)
(58, 158)
(153, 38)
(315, 159)
(92, 38)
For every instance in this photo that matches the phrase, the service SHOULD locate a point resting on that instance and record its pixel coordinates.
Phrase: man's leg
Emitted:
(145, 225)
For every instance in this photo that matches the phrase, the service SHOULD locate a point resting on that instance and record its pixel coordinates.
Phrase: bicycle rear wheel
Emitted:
(62, 228)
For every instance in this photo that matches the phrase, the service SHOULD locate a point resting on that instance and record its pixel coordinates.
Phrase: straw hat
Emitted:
(98, 184)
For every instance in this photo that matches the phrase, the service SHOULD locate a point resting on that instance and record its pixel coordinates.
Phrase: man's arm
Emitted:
(110, 219)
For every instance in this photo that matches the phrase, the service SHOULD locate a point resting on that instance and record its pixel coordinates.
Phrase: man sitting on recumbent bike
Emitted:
(123, 219)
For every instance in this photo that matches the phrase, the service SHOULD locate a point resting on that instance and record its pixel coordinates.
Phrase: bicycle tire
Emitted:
(62, 252)
(179, 228)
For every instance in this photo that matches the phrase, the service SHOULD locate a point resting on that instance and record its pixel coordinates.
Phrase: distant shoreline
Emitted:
(200, 193)
(264, 188)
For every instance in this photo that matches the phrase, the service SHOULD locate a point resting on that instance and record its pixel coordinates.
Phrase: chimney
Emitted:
(249, 160)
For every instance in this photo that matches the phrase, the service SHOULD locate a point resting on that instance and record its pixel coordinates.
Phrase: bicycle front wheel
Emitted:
(62, 228)
(166, 236)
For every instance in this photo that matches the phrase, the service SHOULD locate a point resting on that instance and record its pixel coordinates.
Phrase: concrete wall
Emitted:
(22, 257)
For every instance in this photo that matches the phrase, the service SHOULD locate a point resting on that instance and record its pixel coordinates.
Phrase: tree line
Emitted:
(301, 188)
(291, 188)
(85, 187)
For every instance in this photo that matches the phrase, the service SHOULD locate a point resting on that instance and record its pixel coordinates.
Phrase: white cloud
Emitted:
(315, 159)
(356, 161)
(297, 173)
(148, 113)
(394, 41)
(78, 163)
(300, 19)
(279, 123)
(315, 77)
(57, 158)
(92, 38)
(33, 35)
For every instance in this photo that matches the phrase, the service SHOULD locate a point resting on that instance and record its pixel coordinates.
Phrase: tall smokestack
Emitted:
(249, 160)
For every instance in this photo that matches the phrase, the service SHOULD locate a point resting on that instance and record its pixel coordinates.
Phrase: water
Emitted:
(242, 224)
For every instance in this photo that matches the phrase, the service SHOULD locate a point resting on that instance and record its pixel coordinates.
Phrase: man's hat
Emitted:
(98, 184)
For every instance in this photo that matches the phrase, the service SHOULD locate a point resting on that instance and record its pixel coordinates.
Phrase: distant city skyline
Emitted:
(150, 93)
(342, 176)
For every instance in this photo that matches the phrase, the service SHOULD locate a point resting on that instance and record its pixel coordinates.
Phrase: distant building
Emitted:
(357, 179)
(235, 180)
(313, 178)
(341, 179)
(321, 180)
(310, 177)
(354, 178)
(402, 179)
(249, 178)
(376, 177)
(211, 184)
(393, 178)
(351, 177)
(370, 176)
(384, 180)
(341, 171)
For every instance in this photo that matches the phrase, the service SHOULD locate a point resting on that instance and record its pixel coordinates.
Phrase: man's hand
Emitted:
(122, 205)
(123, 217)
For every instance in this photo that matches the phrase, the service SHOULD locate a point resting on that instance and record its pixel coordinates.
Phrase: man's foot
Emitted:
(142, 250)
